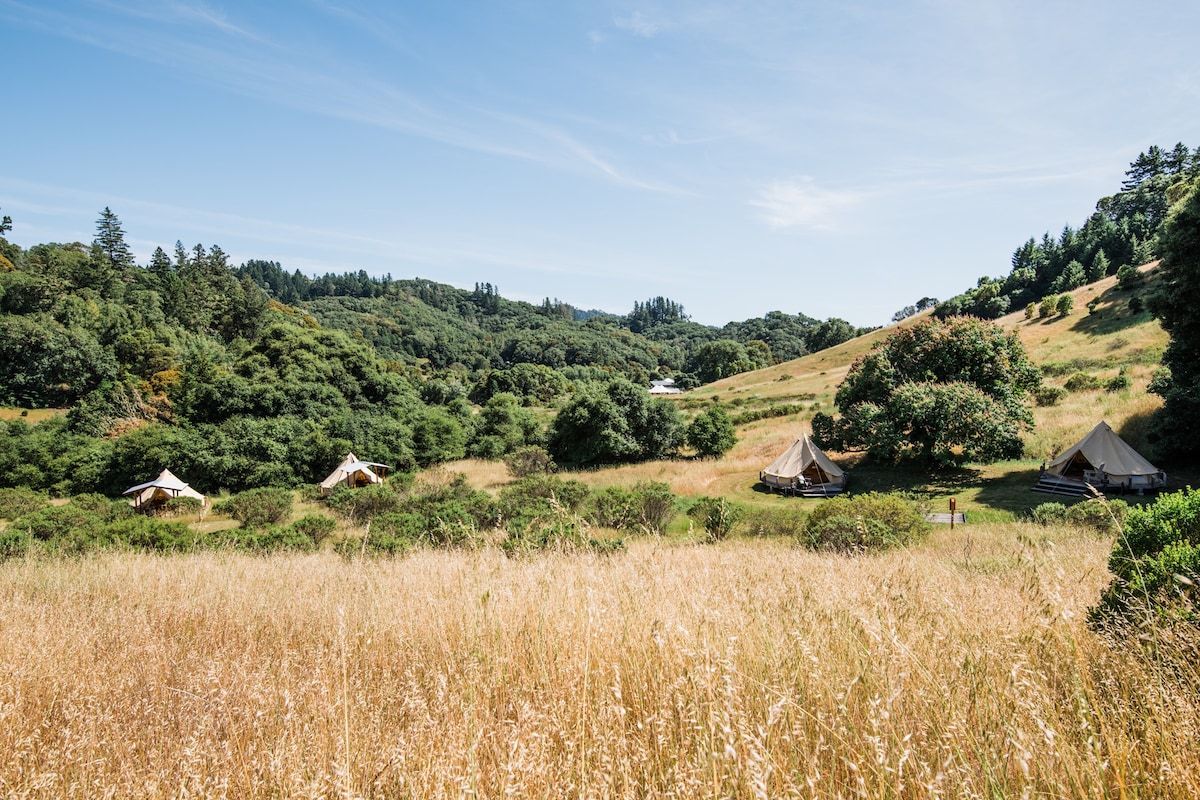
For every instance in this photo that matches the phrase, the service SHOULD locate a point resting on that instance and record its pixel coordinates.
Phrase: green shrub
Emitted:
(453, 514)
(1099, 513)
(146, 533)
(184, 506)
(564, 534)
(1128, 276)
(1118, 383)
(531, 460)
(770, 412)
(366, 503)
(1156, 563)
(1049, 395)
(271, 539)
(1064, 304)
(14, 544)
(373, 545)
(256, 508)
(538, 497)
(612, 507)
(719, 517)
(649, 506)
(316, 527)
(17, 501)
(864, 522)
(108, 510)
(1160, 382)
(1082, 382)
(55, 523)
(1049, 513)
(711, 433)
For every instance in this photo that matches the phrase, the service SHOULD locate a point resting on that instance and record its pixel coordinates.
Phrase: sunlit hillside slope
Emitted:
(1103, 342)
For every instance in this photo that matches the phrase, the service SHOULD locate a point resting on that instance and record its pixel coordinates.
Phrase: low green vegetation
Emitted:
(1099, 513)
(864, 522)
(719, 517)
(1155, 564)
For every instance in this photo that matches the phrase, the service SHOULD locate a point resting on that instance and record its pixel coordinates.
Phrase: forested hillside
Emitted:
(251, 376)
(444, 329)
(1122, 234)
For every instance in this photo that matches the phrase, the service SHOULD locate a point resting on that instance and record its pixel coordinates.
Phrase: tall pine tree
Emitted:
(1176, 303)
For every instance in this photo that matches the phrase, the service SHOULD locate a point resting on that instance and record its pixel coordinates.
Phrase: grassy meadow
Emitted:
(1102, 344)
(960, 668)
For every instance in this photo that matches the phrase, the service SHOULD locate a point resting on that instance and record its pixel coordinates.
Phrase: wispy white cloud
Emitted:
(178, 12)
(639, 24)
(801, 203)
(282, 75)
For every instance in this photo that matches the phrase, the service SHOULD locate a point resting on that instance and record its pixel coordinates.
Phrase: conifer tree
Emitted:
(110, 241)
(1176, 303)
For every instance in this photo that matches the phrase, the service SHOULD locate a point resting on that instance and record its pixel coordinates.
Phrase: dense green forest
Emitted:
(1120, 235)
(250, 375)
(242, 376)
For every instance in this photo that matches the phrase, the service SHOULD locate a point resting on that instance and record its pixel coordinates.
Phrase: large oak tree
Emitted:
(940, 392)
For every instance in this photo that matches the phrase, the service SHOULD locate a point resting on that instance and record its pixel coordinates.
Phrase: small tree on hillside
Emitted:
(711, 433)
(939, 392)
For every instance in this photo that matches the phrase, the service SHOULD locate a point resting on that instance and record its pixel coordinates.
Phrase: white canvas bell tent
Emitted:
(804, 468)
(1103, 459)
(353, 473)
(154, 494)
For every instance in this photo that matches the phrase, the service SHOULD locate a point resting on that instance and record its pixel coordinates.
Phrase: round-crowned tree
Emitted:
(940, 392)
(711, 433)
(614, 423)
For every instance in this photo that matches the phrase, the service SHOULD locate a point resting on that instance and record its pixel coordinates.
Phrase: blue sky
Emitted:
(827, 158)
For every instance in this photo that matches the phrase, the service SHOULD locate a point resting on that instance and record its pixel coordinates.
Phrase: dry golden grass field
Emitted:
(960, 668)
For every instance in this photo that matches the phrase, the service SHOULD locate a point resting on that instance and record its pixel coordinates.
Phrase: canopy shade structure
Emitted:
(802, 468)
(155, 494)
(353, 472)
(1103, 459)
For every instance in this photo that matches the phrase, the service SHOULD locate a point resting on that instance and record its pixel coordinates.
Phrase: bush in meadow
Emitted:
(257, 508)
(871, 521)
(1156, 563)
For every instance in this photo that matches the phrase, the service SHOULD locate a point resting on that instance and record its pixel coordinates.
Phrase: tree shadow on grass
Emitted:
(1012, 490)
(907, 477)
(1115, 316)
(1008, 492)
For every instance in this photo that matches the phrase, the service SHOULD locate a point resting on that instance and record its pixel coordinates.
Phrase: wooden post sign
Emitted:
(953, 505)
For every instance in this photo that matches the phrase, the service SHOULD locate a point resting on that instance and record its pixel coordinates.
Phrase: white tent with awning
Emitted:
(803, 464)
(1102, 458)
(155, 493)
(353, 472)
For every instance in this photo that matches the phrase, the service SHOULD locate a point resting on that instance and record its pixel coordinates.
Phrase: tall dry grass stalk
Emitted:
(749, 669)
